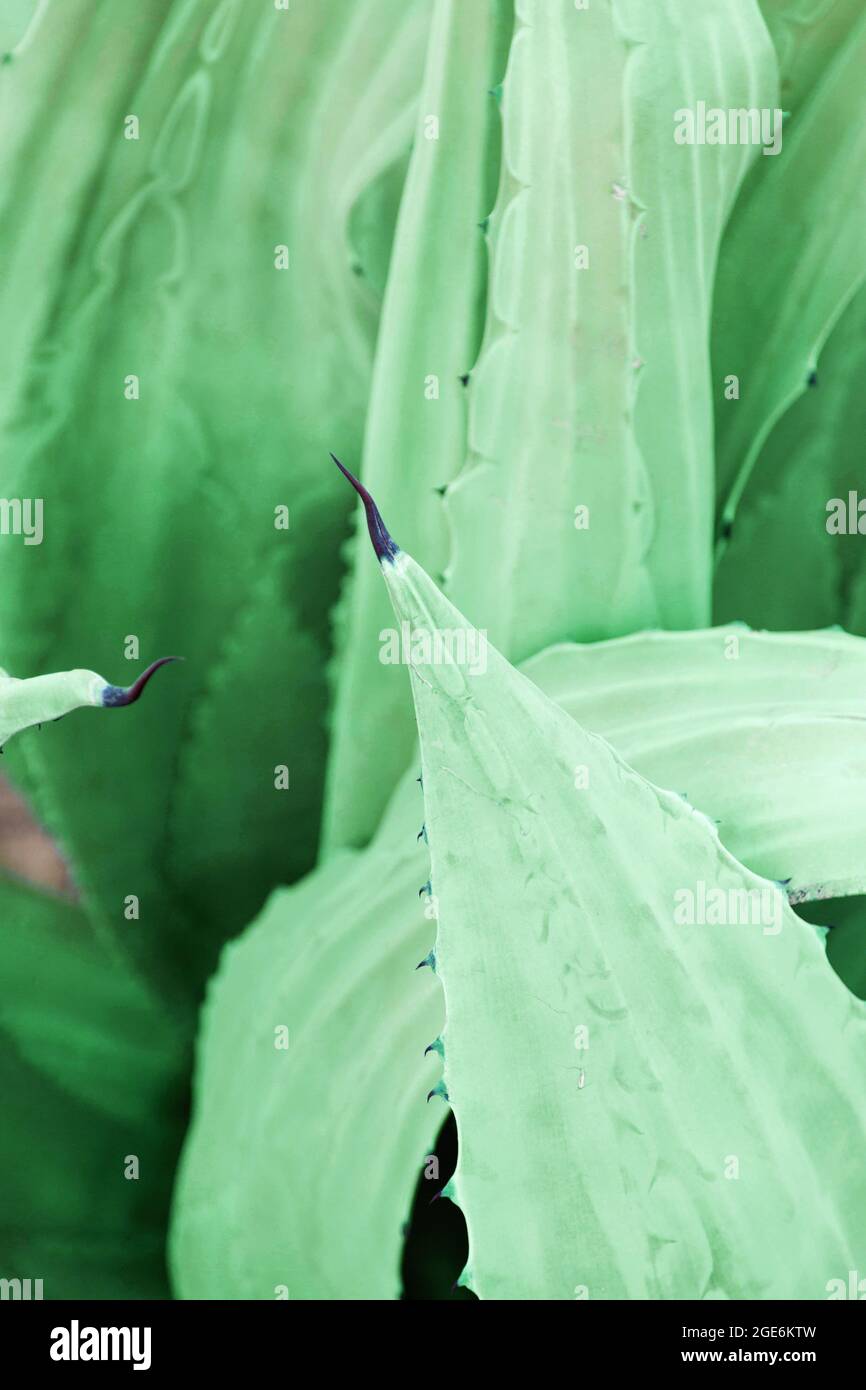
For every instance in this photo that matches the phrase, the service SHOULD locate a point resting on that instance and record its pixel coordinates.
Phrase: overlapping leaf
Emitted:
(763, 733)
(618, 1057)
(160, 397)
(157, 381)
(591, 385)
(416, 429)
(167, 390)
(303, 1159)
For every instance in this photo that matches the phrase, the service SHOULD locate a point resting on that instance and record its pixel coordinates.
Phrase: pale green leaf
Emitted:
(591, 387)
(38, 699)
(416, 426)
(301, 1163)
(624, 1085)
(768, 741)
(763, 732)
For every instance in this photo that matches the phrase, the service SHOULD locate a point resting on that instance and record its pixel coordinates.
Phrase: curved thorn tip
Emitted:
(384, 546)
(115, 696)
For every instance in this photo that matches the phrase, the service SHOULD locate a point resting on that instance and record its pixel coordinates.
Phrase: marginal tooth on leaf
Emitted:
(425, 888)
(116, 696)
(385, 547)
(428, 960)
(439, 1090)
(437, 1046)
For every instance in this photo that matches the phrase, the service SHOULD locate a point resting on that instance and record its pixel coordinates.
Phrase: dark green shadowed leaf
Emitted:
(93, 1076)
(786, 564)
(796, 240)
(160, 396)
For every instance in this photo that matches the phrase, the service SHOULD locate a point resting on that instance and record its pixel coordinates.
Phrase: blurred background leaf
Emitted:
(164, 388)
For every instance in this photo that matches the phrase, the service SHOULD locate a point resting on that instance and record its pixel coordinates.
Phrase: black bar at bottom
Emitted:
(163, 1338)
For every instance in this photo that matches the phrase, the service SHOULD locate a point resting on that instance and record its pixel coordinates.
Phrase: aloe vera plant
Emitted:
(538, 832)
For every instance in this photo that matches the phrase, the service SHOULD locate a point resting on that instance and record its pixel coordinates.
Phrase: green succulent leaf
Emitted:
(619, 1059)
(784, 566)
(806, 35)
(588, 399)
(415, 438)
(92, 1071)
(155, 378)
(806, 283)
(254, 830)
(457, 241)
(38, 699)
(763, 730)
(765, 733)
(268, 1190)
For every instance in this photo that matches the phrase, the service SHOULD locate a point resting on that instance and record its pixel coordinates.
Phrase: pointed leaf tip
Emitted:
(114, 696)
(384, 546)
